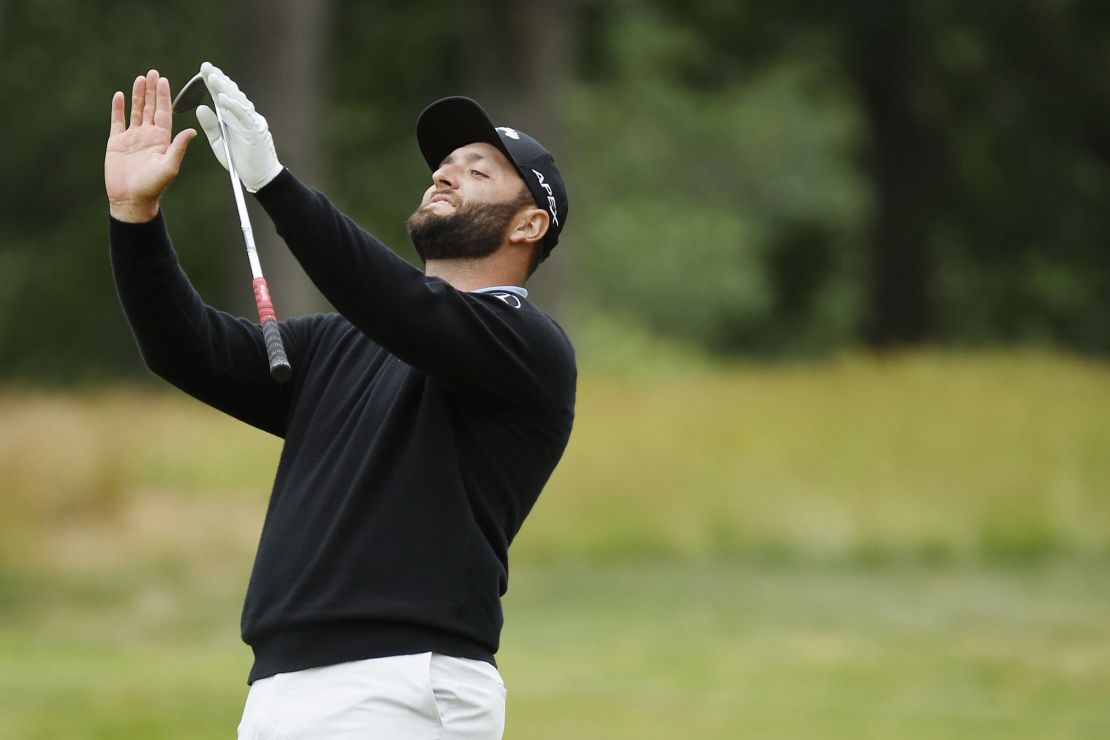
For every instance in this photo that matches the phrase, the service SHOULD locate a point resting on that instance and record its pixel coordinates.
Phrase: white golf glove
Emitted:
(252, 147)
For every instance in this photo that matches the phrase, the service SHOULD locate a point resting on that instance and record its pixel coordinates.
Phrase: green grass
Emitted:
(638, 650)
(911, 547)
(59, 688)
(726, 651)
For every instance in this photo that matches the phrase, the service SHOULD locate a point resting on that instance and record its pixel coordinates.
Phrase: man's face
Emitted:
(469, 208)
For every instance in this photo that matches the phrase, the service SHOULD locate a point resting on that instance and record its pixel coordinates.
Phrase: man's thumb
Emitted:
(176, 152)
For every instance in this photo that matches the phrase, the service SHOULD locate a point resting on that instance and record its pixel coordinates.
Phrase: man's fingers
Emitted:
(163, 112)
(116, 126)
(151, 93)
(211, 74)
(231, 89)
(219, 83)
(237, 116)
(138, 95)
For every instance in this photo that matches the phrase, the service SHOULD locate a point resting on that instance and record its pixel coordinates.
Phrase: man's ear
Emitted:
(530, 226)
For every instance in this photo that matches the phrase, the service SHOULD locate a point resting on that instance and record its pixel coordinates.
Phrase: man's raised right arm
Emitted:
(209, 354)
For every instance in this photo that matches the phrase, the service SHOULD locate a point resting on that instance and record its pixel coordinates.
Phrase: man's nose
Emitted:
(444, 177)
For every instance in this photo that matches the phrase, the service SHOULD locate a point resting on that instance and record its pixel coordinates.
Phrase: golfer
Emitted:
(422, 420)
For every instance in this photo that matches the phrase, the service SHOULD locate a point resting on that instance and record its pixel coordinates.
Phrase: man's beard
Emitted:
(471, 231)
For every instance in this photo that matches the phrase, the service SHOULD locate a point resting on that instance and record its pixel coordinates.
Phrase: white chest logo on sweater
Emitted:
(509, 299)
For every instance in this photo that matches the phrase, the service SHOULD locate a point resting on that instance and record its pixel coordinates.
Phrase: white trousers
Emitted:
(406, 697)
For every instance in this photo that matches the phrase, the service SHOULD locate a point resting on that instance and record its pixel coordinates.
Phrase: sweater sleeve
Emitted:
(211, 355)
(483, 347)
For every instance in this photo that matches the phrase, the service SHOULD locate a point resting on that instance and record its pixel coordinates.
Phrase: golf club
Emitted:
(189, 97)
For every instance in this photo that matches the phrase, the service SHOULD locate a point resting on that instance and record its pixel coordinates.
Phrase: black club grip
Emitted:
(275, 350)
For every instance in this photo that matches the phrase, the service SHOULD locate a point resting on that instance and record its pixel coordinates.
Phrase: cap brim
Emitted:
(450, 123)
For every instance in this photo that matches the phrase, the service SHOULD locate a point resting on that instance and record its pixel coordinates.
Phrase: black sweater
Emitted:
(420, 425)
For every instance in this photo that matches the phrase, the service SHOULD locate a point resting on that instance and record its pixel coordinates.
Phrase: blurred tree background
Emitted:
(838, 279)
(771, 180)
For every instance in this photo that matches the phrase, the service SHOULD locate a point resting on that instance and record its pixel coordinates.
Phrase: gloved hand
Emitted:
(252, 147)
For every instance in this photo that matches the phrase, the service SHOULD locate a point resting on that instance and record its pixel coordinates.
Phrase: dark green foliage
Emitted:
(985, 141)
(390, 61)
(59, 319)
(695, 205)
(759, 178)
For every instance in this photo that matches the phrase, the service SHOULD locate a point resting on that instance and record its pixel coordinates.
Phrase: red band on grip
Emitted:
(262, 300)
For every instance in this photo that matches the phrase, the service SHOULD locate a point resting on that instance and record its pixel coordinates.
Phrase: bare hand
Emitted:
(141, 160)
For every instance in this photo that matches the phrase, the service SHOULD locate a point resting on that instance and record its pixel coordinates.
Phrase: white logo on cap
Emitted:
(550, 198)
(512, 133)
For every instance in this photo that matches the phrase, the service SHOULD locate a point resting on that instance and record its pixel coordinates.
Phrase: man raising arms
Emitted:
(422, 421)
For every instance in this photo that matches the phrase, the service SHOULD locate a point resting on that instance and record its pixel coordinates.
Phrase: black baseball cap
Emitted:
(450, 123)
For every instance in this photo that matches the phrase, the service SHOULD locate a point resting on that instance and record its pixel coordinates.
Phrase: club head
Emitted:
(190, 96)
